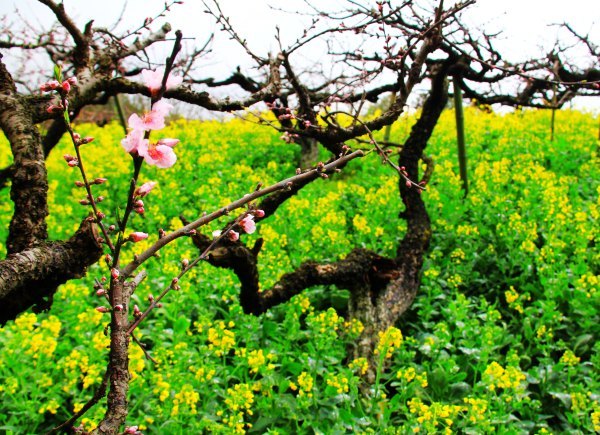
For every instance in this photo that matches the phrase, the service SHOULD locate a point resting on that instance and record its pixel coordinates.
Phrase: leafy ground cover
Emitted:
(502, 337)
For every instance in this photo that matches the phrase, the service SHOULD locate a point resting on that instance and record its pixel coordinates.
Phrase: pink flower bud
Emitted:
(100, 215)
(66, 86)
(118, 307)
(69, 157)
(137, 236)
(100, 180)
(216, 233)
(103, 279)
(115, 273)
(174, 280)
(73, 163)
(151, 297)
(50, 86)
(102, 310)
(79, 183)
(185, 263)
(248, 224)
(145, 188)
(76, 137)
(84, 202)
(139, 210)
(108, 258)
(100, 292)
(87, 139)
(54, 108)
(100, 198)
(233, 235)
(259, 213)
(168, 142)
(408, 183)
(111, 228)
(138, 203)
(132, 430)
(136, 311)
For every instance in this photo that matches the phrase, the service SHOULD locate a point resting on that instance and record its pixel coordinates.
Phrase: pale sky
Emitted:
(524, 23)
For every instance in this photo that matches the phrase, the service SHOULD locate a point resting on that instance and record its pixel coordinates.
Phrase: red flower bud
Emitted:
(115, 273)
(102, 310)
(118, 307)
(100, 292)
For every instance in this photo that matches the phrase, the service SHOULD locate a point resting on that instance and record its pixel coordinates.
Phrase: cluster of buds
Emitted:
(138, 207)
(55, 85)
(78, 140)
(289, 137)
(71, 160)
(132, 430)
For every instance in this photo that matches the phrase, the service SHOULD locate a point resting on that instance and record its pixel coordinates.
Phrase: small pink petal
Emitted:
(248, 224)
(168, 142)
(145, 188)
(138, 236)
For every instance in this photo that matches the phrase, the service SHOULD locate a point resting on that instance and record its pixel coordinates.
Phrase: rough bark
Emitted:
(117, 404)
(30, 277)
(309, 152)
(29, 179)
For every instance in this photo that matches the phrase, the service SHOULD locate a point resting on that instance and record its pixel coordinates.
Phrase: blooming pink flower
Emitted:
(133, 140)
(153, 79)
(149, 121)
(162, 107)
(248, 224)
(145, 188)
(216, 233)
(233, 235)
(138, 236)
(158, 154)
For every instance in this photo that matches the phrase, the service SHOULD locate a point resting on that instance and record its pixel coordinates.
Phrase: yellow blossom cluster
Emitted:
(389, 340)
(360, 365)
(434, 418)
(305, 383)
(221, 339)
(569, 358)
(497, 376)
(186, 397)
(339, 382)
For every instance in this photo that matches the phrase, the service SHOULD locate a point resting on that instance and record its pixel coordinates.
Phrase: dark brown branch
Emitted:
(31, 276)
(29, 179)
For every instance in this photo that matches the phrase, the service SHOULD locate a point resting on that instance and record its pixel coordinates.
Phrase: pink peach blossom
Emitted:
(162, 107)
(233, 235)
(158, 155)
(133, 140)
(153, 79)
(145, 188)
(248, 224)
